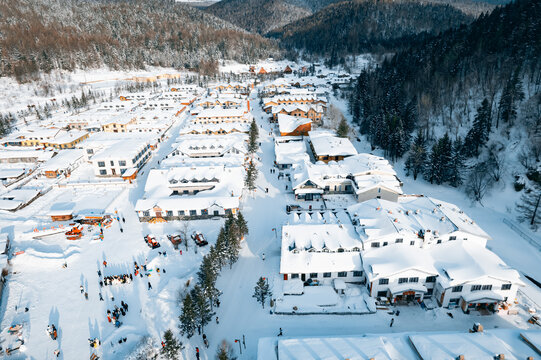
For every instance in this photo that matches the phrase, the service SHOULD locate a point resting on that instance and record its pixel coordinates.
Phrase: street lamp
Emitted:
(240, 347)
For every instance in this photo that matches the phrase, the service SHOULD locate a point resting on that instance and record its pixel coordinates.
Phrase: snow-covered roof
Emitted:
(479, 346)
(319, 243)
(224, 187)
(17, 153)
(218, 112)
(291, 152)
(126, 149)
(326, 144)
(215, 128)
(459, 262)
(366, 172)
(377, 218)
(64, 159)
(288, 123)
(216, 145)
(391, 260)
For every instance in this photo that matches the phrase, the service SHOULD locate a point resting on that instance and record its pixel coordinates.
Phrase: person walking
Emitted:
(217, 320)
(392, 322)
(280, 333)
(149, 285)
(101, 297)
(104, 263)
(82, 289)
(197, 353)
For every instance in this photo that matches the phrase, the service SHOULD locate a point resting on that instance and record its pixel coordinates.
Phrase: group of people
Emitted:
(51, 330)
(114, 316)
(116, 279)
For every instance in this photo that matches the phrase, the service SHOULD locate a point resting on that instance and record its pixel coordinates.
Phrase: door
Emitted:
(113, 171)
(158, 214)
(309, 197)
(303, 277)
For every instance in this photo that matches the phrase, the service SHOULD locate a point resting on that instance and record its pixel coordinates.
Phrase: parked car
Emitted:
(199, 239)
(151, 241)
(175, 240)
(290, 208)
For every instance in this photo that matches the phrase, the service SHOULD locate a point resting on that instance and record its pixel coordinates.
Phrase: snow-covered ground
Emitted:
(52, 293)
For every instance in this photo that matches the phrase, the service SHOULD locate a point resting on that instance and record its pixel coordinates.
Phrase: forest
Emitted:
(454, 102)
(355, 27)
(42, 35)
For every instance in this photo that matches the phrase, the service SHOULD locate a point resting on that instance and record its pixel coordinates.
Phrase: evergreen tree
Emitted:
(262, 291)
(171, 346)
(242, 225)
(251, 176)
(529, 206)
(457, 164)
(479, 133)
(233, 246)
(225, 352)
(203, 312)
(343, 128)
(512, 94)
(253, 134)
(207, 276)
(416, 160)
(188, 321)
(221, 248)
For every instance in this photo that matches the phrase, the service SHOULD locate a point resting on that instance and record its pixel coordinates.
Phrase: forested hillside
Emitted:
(353, 27)
(41, 35)
(261, 16)
(467, 95)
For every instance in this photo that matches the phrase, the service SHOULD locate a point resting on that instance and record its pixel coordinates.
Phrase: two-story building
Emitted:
(117, 158)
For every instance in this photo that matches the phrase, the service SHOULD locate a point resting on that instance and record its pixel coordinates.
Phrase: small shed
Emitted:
(61, 211)
(130, 174)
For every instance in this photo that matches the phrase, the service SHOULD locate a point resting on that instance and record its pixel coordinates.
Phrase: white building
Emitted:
(365, 176)
(412, 220)
(218, 115)
(290, 152)
(320, 247)
(191, 192)
(115, 159)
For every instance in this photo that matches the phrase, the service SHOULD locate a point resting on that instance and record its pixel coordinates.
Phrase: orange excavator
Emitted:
(75, 233)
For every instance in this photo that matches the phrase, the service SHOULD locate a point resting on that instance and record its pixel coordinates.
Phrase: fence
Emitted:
(522, 234)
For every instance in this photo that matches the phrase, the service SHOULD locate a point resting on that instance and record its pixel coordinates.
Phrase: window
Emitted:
(385, 243)
(342, 274)
(486, 287)
(313, 275)
(228, 211)
(439, 241)
(430, 279)
(193, 212)
(506, 287)
(375, 245)
(146, 213)
(122, 163)
(383, 281)
(382, 293)
(412, 242)
(414, 279)
(181, 213)
(454, 301)
(402, 280)
(357, 273)
(327, 275)
(101, 163)
(452, 238)
(90, 151)
(169, 213)
(112, 163)
(103, 172)
(122, 171)
(399, 241)
(475, 287)
(294, 276)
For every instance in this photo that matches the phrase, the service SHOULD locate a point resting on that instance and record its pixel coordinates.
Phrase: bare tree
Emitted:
(185, 232)
(479, 182)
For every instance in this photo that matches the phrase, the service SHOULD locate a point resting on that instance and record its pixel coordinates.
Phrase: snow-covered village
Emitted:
(270, 180)
(160, 214)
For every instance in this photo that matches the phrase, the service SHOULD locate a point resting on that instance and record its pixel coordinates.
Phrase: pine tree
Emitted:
(343, 128)
(262, 291)
(203, 312)
(511, 95)
(529, 206)
(416, 160)
(207, 276)
(479, 133)
(457, 164)
(171, 346)
(251, 176)
(253, 135)
(221, 248)
(242, 225)
(188, 321)
(225, 352)
(233, 247)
